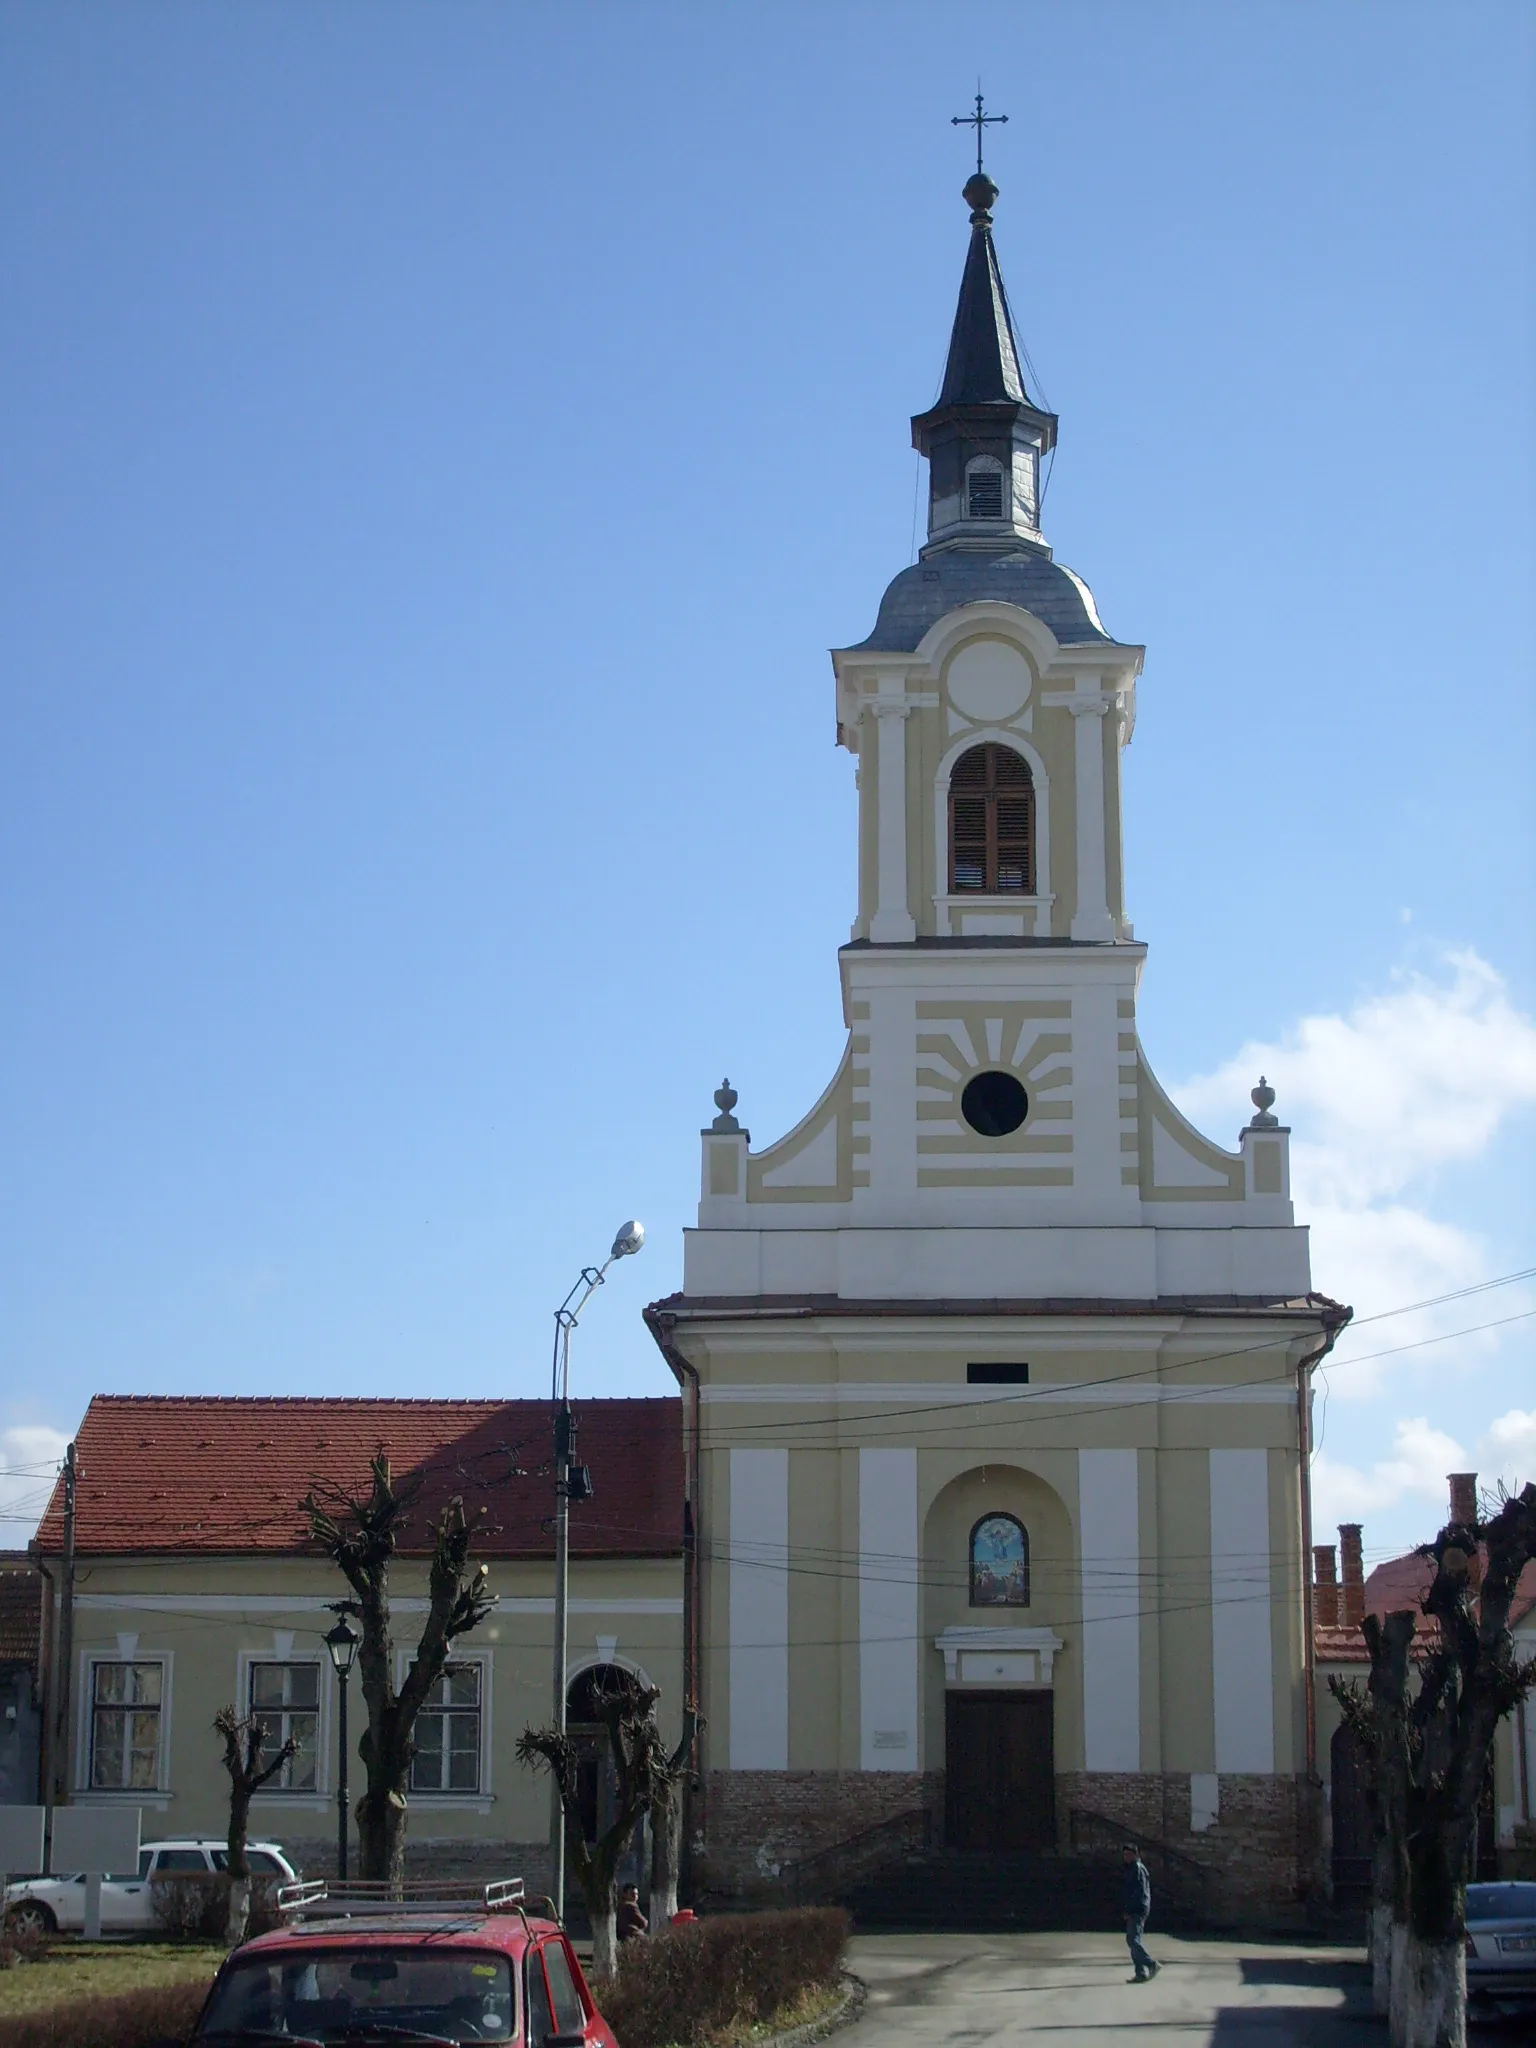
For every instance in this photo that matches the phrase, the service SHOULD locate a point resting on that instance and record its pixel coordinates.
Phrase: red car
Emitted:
(368, 1970)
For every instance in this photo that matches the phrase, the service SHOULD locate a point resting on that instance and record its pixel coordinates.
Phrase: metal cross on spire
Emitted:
(979, 120)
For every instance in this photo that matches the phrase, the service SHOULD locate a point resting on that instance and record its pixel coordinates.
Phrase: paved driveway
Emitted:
(1075, 1990)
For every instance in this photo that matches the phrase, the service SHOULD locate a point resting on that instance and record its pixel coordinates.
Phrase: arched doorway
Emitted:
(1351, 1813)
(596, 1792)
(997, 1546)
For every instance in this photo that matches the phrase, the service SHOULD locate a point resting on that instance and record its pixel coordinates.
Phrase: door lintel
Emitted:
(998, 1656)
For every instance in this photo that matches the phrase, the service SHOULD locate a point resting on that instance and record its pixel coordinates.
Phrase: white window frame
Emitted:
(947, 905)
(325, 1775)
(273, 1793)
(85, 1729)
(479, 1801)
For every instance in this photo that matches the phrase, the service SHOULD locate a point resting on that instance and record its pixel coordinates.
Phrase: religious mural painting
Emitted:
(999, 1562)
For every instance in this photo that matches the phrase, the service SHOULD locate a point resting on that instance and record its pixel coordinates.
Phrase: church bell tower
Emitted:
(992, 1345)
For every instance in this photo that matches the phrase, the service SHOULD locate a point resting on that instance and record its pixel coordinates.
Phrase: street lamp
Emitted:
(342, 1642)
(572, 1482)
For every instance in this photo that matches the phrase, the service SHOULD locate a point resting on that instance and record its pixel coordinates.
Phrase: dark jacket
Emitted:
(1136, 1890)
(630, 1921)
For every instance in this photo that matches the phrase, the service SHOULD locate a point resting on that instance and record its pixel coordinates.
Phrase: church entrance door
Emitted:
(999, 1770)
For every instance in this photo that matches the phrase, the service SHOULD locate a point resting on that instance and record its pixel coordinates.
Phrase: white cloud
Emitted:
(1417, 1078)
(1408, 1081)
(1422, 1457)
(30, 1456)
(1507, 1454)
(1382, 1098)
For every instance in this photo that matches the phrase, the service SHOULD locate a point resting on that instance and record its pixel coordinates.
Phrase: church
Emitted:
(980, 1522)
(996, 1372)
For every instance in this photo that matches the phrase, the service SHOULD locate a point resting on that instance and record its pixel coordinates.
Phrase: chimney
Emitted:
(1354, 1573)
(1464, 1514)
(1325, 1585)
(1463, 1497)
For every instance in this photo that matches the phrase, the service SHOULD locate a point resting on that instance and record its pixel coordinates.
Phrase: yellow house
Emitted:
(194, 1584)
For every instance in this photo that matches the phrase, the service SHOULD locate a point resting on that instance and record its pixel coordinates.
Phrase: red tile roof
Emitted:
(202, 1474)
(21, 1614)
(1398, 1583)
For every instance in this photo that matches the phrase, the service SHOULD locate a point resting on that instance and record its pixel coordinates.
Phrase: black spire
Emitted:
(983, 363)
(985, 436)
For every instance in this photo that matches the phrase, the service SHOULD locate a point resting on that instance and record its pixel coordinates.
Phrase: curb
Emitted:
(855, 1996)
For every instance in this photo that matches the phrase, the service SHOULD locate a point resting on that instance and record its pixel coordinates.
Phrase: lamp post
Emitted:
(342, 1642)
(572, 1482)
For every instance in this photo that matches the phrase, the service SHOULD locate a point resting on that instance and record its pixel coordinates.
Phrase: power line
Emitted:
(1053, 1390)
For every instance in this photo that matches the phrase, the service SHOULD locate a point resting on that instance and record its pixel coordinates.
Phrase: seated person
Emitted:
(631, 1920)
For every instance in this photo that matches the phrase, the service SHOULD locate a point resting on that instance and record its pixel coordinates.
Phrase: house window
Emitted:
(999, 1562)
(447, 1755)
(992, 822)
(984, 489)
(125, 1726)
(287, 1698)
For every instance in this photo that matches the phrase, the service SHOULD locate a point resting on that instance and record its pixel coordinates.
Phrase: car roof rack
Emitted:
(325, 1898)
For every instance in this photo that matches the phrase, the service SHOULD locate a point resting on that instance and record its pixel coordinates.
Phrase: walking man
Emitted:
(1136, 1904)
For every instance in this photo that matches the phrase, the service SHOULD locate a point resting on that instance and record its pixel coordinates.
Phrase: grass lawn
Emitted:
(815, 2002)
(93, 1969)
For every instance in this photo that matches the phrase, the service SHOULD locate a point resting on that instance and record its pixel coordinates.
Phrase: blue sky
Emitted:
(442, 443)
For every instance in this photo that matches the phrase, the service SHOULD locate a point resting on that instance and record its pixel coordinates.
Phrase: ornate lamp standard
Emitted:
(342, 1642)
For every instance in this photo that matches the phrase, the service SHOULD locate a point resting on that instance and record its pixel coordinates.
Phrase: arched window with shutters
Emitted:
(992, 822)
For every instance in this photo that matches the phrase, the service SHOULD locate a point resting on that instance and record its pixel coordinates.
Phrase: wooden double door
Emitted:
(999, 1770)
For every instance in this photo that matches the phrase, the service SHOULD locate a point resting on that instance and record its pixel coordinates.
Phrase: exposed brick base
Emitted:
(429, 1859)
(1251, 1853)
(757, 1824)
(753, 1828)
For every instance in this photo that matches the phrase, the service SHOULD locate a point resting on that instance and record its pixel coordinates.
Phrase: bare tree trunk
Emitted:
(1429, 1987)
(237, 1915)
(1429, 1750)
(244, 1742)
(628, 1713)
(238, 1910)
(1379, 1950)
(666, 1833)
(1390, 1641)
(381, 1830)
(361, 1535)
(605, 1939)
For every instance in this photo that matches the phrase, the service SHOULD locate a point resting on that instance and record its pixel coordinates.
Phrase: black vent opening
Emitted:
(997, 1375)
(986, 494)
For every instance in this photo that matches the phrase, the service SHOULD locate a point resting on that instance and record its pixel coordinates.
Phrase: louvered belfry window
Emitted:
(986, 494)
(992, 822)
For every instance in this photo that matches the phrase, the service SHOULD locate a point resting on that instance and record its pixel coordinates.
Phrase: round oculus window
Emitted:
(994, 1104)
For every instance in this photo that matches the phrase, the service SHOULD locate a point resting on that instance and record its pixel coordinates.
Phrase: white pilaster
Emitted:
(1110, 1544)
(892, 923)
(759, 1596)
(888, 1583)
(1242, 1659)
(1091, 920)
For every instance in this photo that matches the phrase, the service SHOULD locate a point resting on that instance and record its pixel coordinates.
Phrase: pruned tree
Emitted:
(245, 1745)
(669, 1780)
(1376, 1714)
(626, 1710)
(361, 1535)
(1429, 1752)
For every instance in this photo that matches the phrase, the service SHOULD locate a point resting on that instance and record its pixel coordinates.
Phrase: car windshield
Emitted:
(1501, 1901)
(340, 1994)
